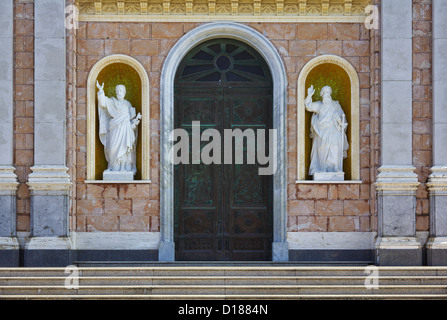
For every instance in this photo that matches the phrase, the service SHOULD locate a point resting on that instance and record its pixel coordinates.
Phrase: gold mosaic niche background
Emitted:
(329, 74)
(113, 75)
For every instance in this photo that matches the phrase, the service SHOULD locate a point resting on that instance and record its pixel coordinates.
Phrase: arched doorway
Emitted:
(245, 34)
(223, 211)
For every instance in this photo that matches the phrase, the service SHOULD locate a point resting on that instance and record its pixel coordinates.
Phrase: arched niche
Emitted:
(338, 73)
(113, 70)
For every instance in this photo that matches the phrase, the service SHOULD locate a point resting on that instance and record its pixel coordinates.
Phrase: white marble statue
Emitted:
(328, 132)
(118, 133)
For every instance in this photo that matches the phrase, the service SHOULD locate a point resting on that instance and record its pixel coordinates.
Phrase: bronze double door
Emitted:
(223, 211)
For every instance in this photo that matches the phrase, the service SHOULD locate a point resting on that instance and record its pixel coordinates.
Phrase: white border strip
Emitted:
(331, 240)
(151, 240)
(116, 240)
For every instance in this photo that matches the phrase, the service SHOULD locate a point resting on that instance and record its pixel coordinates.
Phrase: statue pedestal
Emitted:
(117, 175)
(329, 176)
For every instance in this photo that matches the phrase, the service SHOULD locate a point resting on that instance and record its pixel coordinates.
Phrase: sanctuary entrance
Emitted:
(223, 211)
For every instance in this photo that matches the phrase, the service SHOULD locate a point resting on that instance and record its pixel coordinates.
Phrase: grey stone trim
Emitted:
(175, 56)
(397, 64)
(397, 183)
(7, 216)
(439, 82)
(399, 257)
(396, 200)
(437, 257)
(6, 82)
(437, 185)
(60, 257)
(332, 256)
(48, 216)
(49, 182)
(65, 257)
(49, 83)
(47, 258)
(49, 187)
(9, 251)
(115, 255)
(397, 243)
(437, 244)
(399, 251)
(8, 189)
(9, 256)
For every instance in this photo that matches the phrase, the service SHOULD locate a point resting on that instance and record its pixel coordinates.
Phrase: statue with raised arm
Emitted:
(118, 133)
(328, 132)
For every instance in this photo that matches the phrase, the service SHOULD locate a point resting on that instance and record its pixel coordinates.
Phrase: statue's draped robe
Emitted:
(115, 131)
(327, 137)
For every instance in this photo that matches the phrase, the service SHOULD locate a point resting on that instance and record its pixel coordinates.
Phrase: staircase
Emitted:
(241, 282)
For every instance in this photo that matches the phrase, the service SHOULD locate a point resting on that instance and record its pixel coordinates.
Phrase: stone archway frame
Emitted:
(355, 110)
(91, 113)
(266, 49)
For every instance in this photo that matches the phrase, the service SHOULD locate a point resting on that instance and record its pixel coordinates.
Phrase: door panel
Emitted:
(223, 211)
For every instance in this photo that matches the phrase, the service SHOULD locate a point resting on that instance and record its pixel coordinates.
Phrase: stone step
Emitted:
(224, 290)
(94, 264)
(225, 271)
(225, 280)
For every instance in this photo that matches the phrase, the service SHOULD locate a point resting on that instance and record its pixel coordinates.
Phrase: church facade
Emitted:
(223, 64)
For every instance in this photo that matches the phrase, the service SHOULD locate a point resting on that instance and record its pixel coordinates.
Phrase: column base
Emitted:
(280, 251)
(9, 252)
(48, 252)
(399, 251)
(166, 251)
(437, 251)
(8, 189)
(437, 244)
(49, 187)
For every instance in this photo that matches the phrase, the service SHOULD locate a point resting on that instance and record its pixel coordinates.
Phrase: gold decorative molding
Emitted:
(235, 10)
(256, 7)
(98, 7)
(91, 112)
(166, 6)
(8, 180)
(348, 7)
(325, 8)
(189, 6)
(49, 179)
(397, 187)
(355, 113)
(397, 180)
(437, 181)
(121, 9)
(143, 7)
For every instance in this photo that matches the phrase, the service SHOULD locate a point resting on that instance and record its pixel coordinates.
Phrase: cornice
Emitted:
(234, 10)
